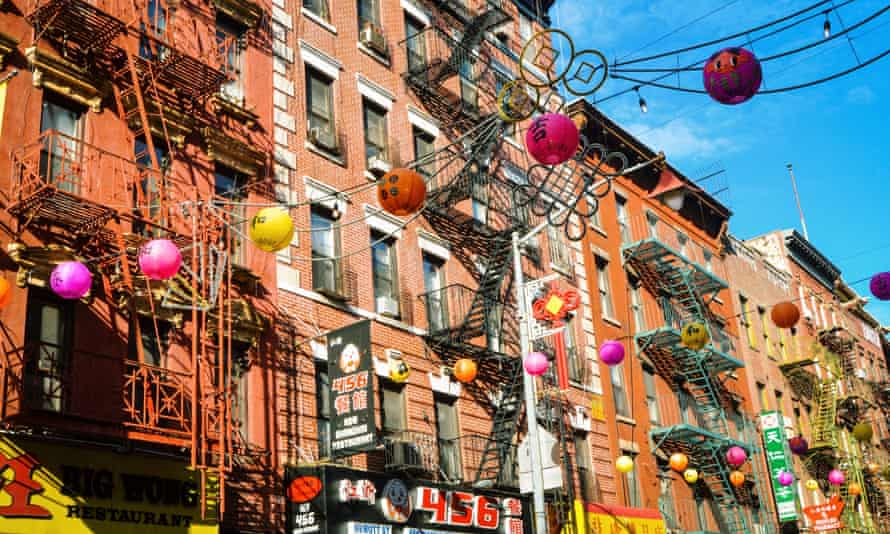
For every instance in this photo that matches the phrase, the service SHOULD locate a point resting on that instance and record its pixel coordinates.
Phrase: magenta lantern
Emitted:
(71, 280)
(552, 138)
(880, 286)
(612, 353)
(536, 363)
(732, 75)
(785, 478)
(836, 477)
(736, 456)
(798, 445)
(159, 259)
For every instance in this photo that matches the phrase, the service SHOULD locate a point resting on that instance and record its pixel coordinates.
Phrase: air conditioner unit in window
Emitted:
(373, 38)
(387, 306)
(403, 455)
(323, 138)
(379, 164)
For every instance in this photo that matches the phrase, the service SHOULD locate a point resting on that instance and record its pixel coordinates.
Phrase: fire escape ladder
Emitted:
(860, 523)
(729, 514)
(824, 429)
(498, 450)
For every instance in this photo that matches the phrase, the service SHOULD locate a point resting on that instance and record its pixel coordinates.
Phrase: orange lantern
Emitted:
(401, 191)
(737, 478)
(854, 489)
(5, 292)
(785, 314)
(679, 462)
(465, 370)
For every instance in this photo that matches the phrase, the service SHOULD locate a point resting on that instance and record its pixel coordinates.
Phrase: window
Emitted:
(425, 147)
(783, 341)
(493, 315)
(394, 417)
(700, 514)
(229, 189)
(238, 381)
(229, 36)
(605, 287)
(368, 13)
(651, 396)
(320, 108)
(318, 8)
(778, 395)
(48, 332)
(325, 251)
(636, 306)
(447, 431)
(154, 27)
(154, 342)
(623, 219)
(526, 32)
(147, 196)
(764, 323)
(436, 295)
(323, 408)
(652, 223)
(761, 395)
(559, 251)
(619, 393)
(573, 355)
(746, 321)
(593, 204)
(59, 157)
(632, 485)
(385, 275)
(375, 132)
(415, 43)
(479, 192)
(590, 490)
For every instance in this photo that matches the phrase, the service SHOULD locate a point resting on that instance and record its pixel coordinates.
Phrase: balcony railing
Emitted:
(412, 452)
(448, 312)
(504, 473)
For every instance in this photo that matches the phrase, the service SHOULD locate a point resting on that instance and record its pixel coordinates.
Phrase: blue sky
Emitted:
(834, 134)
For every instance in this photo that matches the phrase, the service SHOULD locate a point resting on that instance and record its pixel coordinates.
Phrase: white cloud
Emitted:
(682, 139)
(860, 95)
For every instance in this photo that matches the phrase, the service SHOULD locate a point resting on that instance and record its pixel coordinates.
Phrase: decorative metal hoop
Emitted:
(602, 58)
(550, 81)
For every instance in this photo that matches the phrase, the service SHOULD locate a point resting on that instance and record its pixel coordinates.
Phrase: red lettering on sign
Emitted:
(22, 487)
(345, 384)
(461, 514)
(487, 513)
(433, 500)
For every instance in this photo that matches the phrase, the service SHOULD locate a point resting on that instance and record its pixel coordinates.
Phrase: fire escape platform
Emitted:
(75, 22)
(67, 210)
(656, 262)
(802, 381)
(691, 440)
(670, 358)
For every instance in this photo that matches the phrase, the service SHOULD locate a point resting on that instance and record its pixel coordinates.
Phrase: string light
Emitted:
(643, 106)
(826, 28)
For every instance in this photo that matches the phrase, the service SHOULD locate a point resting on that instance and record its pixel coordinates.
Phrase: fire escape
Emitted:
(685, 290)
(85, 202)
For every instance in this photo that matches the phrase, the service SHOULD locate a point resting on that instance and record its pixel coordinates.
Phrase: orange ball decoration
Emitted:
(5, 292)
(854, 489)
(679, 462)
(785, 314)
(465, 370)
(401, 192)
(737, 478)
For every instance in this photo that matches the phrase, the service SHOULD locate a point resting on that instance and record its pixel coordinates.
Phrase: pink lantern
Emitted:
(536, 363)
(612, 353)
(836, 477)
(732, 75)
(785, 478)
(160, 259)
(880, 286)
(552, 138)
(736, 456)
(71, 280)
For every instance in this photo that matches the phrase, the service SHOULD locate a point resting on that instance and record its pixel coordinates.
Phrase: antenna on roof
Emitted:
(803, 222)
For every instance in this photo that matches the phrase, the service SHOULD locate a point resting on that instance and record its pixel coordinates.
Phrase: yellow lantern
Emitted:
(624, 464)
(690, 476)
(398, 370)
(694, 336)
(271, 229)
(811, 485)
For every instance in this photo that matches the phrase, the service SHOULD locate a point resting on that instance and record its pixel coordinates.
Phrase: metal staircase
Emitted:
(824, 429)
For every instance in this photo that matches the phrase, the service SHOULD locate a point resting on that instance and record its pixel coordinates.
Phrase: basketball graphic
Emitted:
(350, 359)
(303, 489)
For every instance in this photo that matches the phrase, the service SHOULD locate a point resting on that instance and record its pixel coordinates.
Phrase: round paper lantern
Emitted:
(271, 229)
(873, 468)
(798, 445)
(5, 292)
(880, 286)
(690, 476)
(679, 462)
(465, 370)
(552, 138)
(811, 485)
(854, 488)
(785, 478)
(399, 371)
(694, 336)
(836, 477)
(785, 314)
(71, 280)
(401, 191)
(159, 259)
(737, 478)
(736, 456)
(732, 75)
(624, 464)
(611, 353)
(863, 432)
(536, 363)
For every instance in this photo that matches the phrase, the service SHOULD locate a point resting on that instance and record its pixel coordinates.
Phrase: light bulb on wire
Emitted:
(642, 101)
(826, 28)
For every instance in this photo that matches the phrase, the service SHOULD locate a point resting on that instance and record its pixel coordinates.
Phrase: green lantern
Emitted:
(862, 432)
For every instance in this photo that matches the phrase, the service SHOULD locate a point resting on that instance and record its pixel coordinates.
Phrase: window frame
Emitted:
(438, 271)
(415, 47)
(327, 117)
(604, 286)
(388, 387)
(318, 212)
(323, 408)
(54, 370)
(381, 149)
(622, 217)
(227, 28)
(448, 446)
(378, 241)
(236, 209)
(619, 390)
(319, 8)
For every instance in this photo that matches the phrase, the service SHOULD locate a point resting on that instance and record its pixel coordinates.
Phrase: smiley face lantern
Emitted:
(271, 229)
(398, 369)
(694, 336)
(732, 76)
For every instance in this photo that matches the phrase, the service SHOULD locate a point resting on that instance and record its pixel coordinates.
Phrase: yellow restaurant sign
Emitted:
(48, 488)
(602, 519)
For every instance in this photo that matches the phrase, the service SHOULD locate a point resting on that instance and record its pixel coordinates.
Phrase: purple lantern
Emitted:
(536, 363)
(71, 280)
(736, 456)
(611, 353)
(785, 478)
(159, 259)
(552, 138)
(732, 76)
(836, 477)
(798, 445)
(880, 286)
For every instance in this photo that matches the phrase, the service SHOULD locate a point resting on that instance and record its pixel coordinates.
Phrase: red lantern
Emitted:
(785, 314)
(854, 489)
(401, 192)
(465, 370)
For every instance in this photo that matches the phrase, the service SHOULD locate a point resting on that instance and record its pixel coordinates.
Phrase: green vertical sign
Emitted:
(777, 460)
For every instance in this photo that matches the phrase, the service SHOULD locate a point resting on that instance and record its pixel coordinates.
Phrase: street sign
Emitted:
(350, 368)
(826, 516)
(778, 461)
(551, 463)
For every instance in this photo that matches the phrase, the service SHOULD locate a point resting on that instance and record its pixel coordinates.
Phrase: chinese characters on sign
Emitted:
(778, 461)
(826, 516)
(352, 388)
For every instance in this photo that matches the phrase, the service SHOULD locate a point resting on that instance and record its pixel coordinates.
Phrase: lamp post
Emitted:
(528, 384)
